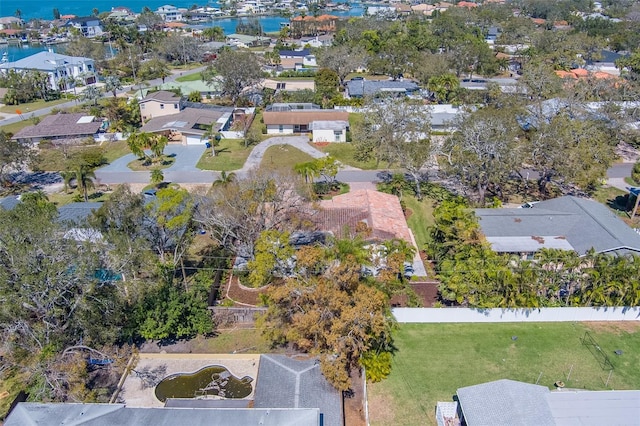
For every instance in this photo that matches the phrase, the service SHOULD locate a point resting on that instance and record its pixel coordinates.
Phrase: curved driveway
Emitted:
(184, 169)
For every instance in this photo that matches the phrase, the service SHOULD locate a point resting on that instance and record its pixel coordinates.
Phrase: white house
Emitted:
(89, 26)
(169, 13)
(329, 131)
(58, 67)
(324, 122)
(9, 22)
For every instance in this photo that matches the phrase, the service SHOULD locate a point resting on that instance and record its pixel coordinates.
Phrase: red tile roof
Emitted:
(381, 212)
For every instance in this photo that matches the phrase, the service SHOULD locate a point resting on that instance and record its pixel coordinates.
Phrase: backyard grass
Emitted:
(237, 340)
(433, 360)
(230, 155)
(283, 157)
(31, 106)
(344, 153)
(420, 218)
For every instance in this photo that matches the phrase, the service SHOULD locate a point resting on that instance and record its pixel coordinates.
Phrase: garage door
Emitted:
(195, 140)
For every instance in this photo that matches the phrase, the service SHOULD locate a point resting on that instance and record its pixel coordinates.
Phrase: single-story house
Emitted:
(359, 88)
(299, 121)
(381, 212)
(160, 103)
(565, 223)
(58, 67)
(62, 128)
(189, 125)
(32, 413)
(244, 40)
(508, 402)
(288, 86)
(285, 382)
(187, 87)
(329, 131)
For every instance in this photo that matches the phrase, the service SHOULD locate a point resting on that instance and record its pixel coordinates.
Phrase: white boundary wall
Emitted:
(461, 315)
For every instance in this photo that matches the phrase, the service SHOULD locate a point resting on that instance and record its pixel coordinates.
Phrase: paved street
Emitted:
(14, 118)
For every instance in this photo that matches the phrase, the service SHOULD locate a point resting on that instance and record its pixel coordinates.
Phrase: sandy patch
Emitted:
(138, 389)
(615, 327)
(381, 408)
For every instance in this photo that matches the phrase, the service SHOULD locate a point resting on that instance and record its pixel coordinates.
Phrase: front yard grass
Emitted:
(345, 152)
(283, 157)
(29, 107)
(434, 360)
(14, 128)
(230, 155)
(196, 76)
(54, 159)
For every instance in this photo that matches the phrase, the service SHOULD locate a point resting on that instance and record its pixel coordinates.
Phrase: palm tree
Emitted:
(157, 176)
(67, 177)
(224, 179)
(112, 84)
(84, 178)
(91, 93)
(309, 170)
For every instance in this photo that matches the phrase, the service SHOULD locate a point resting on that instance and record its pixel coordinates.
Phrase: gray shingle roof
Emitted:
(505, 402)
(358, 88)
(77, 212)
(585, 224)
(286, 382)
(60, 125)
(185, 120)
(30, 413)
(594, 408)
(162, 96)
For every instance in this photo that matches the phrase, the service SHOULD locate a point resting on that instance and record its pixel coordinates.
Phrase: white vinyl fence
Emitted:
(459, 315)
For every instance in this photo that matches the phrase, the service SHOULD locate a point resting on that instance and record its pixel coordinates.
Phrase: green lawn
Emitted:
(613, 198)
(31, 106)
(283, 157)
(433, 360)
(233, 341)
(53, 159)
(230, 155)
(62, 198)
(190, 77)
(420, 217)
(14, 128)
(138, 165)
(344, 152)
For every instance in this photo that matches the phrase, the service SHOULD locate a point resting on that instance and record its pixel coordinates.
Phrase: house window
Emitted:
(281, 128)
(337, 134)
(175, 106)
(141, 106)
(161, 106)
(280, 86)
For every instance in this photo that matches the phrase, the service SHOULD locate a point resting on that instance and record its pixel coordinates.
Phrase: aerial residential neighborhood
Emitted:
(319, 213)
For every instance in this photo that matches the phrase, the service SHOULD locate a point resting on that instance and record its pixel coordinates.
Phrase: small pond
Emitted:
(213, 380)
